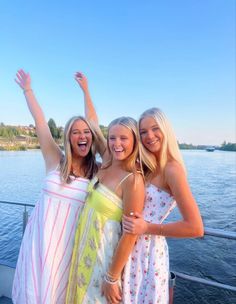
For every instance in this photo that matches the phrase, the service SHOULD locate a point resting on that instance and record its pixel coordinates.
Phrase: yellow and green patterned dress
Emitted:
(96, 239)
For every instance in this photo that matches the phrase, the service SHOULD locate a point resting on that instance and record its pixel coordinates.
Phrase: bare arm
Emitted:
(91, 114)
(50, 150)
(133, 200)
(191, 224)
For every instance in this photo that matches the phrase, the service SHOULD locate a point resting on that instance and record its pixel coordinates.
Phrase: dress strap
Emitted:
(122, 180)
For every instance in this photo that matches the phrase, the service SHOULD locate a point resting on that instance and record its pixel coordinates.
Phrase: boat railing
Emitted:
(25, 211)
(174, 274)
(214, 233)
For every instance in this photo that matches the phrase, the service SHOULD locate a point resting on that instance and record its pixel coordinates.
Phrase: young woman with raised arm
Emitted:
(42, 269)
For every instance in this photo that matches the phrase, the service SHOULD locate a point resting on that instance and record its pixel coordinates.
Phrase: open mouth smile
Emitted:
(118, 150)
(153, 142)
(82, 145)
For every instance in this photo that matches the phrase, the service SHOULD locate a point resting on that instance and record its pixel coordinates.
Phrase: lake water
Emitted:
(212, 177)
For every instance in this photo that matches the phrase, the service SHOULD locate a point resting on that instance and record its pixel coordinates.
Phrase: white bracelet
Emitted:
(109, 281)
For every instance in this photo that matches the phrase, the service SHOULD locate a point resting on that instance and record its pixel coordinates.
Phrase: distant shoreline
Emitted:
(37, 147)
(21, 138)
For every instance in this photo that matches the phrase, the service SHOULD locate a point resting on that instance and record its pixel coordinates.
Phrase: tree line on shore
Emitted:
(14, 136)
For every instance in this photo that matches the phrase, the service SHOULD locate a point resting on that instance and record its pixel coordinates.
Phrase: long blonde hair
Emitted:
(138, 157)
(169, 148)
(89, 164)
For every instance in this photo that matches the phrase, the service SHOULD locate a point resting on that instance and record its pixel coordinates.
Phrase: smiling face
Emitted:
(80, 138)
(121, 142)
(151, 135)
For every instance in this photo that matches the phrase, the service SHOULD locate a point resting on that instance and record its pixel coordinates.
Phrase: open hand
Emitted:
(135, 224)
(82, 81)
(23, 80)
(112, 292)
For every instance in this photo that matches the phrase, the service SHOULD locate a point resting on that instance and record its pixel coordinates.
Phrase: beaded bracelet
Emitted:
(112, 276)
(108, 280)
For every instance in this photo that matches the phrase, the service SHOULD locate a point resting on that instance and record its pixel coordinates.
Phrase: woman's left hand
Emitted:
(135, 224)
(112, 292)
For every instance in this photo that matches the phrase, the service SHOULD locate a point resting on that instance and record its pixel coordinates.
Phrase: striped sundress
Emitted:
(43, 264)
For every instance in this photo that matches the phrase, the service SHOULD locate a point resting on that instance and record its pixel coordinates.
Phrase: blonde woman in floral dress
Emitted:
(146, 275)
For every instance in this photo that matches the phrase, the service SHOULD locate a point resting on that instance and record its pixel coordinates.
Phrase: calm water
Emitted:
(212, 177)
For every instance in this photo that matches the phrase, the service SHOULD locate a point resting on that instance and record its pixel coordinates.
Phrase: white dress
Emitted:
(146, 274)
(43, 264)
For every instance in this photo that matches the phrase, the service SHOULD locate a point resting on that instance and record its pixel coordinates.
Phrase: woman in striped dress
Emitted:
(43, 264)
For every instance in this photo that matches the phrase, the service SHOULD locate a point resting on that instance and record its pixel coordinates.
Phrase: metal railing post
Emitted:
(172, 279)
(25, 219)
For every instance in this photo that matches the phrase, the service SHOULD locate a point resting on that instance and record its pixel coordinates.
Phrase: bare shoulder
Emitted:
(53, 159)
(173, 170)
(134, 180)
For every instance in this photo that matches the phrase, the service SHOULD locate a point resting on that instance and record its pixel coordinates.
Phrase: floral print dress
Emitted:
(146, 274)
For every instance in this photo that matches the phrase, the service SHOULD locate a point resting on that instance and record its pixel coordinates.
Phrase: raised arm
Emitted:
(50, 150)
(91, 115)
(90, 112)
(133, 201)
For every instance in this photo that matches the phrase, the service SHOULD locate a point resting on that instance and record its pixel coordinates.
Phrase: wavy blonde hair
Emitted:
(89, 165)
(135, 161)
(169, 148)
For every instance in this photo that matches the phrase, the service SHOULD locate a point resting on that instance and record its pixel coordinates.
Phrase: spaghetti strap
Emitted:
(122, 180)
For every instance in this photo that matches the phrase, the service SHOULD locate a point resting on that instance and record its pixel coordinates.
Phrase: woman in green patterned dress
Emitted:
(101, 249)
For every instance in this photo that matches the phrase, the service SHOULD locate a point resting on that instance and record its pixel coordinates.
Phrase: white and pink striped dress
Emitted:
(43, 264)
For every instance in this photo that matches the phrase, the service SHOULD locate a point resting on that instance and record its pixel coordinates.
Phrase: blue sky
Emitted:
(176, 55)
